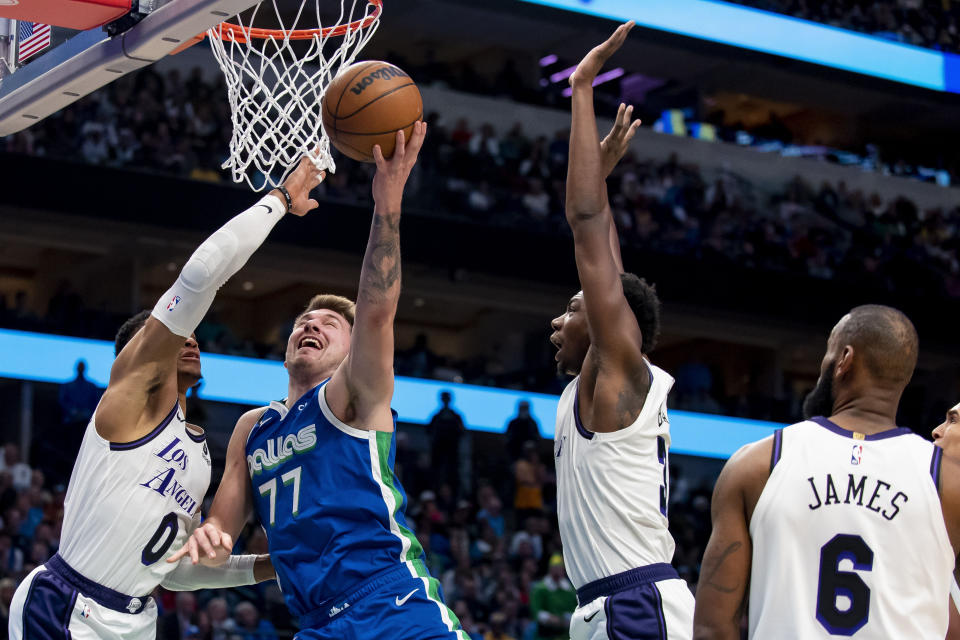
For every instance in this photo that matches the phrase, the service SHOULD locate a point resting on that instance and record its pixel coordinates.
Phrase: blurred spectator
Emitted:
(78, 399)
(498, 622)
(491, 513)
(523, 428)
(446, 430)
(20, 472)
(173, 625)
(552, 602)
(222, 625)
(530, 475)
(7, 589)
(11, 557)
(249, 624)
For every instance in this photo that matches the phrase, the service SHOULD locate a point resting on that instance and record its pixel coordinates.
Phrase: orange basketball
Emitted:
(366, 104)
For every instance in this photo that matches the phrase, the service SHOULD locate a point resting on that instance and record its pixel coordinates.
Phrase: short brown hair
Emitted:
(344, 306)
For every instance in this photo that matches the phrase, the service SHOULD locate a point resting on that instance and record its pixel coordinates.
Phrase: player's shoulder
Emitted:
(753, 456)
(248, 421)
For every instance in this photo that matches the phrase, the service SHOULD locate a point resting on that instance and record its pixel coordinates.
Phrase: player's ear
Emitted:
(845, 361)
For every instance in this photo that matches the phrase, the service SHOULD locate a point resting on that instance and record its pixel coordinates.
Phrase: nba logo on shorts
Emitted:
(856, 454)
(173, 303)
(85, 613)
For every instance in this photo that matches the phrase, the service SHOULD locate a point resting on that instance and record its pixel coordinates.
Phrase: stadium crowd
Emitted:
(181, 126)
(924, 23)
(492, 538)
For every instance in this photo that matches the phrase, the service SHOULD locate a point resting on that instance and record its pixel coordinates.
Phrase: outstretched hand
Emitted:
(615, 145)
(207, 545)
(392, 174)
(299, 184)
(591, 64)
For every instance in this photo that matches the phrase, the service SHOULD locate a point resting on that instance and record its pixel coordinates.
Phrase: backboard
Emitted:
(93, 58)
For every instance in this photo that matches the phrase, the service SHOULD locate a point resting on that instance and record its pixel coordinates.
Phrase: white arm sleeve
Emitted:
(236, 572)
(220, 256)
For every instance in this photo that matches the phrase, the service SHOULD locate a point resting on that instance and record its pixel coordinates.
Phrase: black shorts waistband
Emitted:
(104, 596)
(333, 607)
(626, 580)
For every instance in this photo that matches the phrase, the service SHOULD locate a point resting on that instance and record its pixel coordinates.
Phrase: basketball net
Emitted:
(275, 88)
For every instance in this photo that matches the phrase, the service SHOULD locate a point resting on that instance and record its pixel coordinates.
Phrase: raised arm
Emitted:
(143, 380)
(612, 149)
(725, 571)
(362, 387)
(613, 327)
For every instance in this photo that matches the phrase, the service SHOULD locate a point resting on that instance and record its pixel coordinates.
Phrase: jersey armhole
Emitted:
(935, 460)
(256, 423)
(777, 448)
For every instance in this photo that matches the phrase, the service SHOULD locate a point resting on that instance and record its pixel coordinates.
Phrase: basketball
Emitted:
(366, 104)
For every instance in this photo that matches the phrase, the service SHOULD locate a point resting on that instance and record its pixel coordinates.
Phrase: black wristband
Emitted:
(286, 196)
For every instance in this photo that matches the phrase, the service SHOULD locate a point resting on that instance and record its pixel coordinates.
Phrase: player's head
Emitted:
(321, 337)
(571, 331)
(188, 360)
(872, 352)
(947, 434)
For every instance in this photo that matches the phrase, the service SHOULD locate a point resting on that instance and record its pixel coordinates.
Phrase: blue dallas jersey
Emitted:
(329, 502)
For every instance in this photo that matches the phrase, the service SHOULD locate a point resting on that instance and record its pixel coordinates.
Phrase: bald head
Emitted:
(884, 337)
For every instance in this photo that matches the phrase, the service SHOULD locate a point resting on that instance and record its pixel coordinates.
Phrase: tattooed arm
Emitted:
(360, 391)
(725, 571)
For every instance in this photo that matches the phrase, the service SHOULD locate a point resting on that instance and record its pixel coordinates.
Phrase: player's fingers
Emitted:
(378, 156)
(620, 122)
(179, 553)
(311, 205)
(194, 553)
(226, 541)
(416, 140)
(400, 149)
(203, 543)
(213, 535)
(632, 131)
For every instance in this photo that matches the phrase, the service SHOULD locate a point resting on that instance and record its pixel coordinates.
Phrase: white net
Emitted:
(276, 79)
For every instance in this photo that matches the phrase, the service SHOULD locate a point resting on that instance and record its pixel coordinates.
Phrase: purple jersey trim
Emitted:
(576, 414)
(777, 448)
(626, 580)
(883, 435)
(126, 446)
(935, 460)
(104, 596)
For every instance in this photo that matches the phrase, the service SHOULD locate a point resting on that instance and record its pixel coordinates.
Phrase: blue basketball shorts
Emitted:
(396, 606)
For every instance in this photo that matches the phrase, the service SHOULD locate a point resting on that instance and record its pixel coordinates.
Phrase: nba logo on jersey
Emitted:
(857, 454)
(173, 303)
(85, 613)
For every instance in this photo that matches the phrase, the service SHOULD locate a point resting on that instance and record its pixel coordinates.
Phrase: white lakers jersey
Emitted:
(849, 537)
(128, 505)
(612, 488)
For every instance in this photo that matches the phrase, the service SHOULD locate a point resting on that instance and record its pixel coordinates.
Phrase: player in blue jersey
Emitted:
(318, 467)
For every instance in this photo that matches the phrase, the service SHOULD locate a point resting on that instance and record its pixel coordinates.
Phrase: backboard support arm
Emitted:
(93, 59)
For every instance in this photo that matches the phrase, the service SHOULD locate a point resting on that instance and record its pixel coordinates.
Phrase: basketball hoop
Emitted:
(275, 89)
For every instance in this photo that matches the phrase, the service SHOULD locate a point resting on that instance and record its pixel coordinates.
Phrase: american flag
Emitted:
(33, 37)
